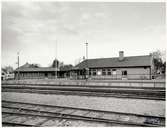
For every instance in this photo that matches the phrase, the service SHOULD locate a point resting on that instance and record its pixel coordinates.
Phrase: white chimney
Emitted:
(121, 55)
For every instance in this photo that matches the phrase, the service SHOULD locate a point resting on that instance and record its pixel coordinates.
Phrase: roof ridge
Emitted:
(118, 57)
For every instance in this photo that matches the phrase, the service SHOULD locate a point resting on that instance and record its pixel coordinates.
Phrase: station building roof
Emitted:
(131, 61)
(27, 68)
(40, 69)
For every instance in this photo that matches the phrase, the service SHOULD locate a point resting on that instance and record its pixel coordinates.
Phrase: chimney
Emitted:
(121, 55)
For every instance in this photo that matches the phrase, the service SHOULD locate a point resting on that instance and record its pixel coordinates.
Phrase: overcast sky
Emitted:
(33, 28)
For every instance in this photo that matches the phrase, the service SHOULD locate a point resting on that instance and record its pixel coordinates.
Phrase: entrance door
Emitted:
(46, 75)
(124, 74)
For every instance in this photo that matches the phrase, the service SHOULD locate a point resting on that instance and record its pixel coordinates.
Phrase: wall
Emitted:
(132, 73)
(33, 75)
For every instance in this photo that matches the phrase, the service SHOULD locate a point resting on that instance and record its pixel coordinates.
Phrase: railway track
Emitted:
(80, 93)
(28, 114)
(86, 86)
(137, 93)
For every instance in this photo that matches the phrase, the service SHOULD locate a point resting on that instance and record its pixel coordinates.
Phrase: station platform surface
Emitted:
(118, 83)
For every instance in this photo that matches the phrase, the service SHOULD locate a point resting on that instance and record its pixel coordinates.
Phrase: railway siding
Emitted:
(91, 103)
(40, 116)
(138, 106)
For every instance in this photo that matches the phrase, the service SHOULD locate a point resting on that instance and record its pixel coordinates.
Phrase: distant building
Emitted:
(7, 74)
(28, 72)
(3, 75)
(132, 67)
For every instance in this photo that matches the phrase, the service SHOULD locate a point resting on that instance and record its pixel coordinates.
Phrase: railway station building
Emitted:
(132, 67)
(27, 72)
(122, 67)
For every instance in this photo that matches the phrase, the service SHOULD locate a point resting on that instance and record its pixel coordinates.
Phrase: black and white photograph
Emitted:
(83, 64)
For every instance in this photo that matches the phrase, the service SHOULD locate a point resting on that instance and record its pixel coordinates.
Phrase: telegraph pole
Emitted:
(18, 75)
(56, 62)
(86, 50)
(87, 68)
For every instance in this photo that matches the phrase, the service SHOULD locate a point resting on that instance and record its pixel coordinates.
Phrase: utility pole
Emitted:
(86, 50)
(18, 73)
(87, 68)
(56, 62)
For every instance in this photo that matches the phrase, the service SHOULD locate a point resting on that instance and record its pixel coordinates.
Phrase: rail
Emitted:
(49, 111)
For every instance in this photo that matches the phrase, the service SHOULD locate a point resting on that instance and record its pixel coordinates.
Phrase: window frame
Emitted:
(104, 72)
(94, 72)
(109, 72)
(124, 73)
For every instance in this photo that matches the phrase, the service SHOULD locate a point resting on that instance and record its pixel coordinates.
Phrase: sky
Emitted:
(43, 31)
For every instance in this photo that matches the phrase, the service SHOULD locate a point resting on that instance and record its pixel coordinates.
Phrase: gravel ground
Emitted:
(138, 106)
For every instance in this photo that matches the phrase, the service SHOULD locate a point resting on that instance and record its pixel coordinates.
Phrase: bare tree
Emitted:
(56, 63)
(8, 69)
(159, 60)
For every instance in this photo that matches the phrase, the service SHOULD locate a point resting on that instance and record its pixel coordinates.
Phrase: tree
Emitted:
(66, 67)
(158, 58)
(34, 65)
(56, 63)
(8, 69)
(164, 68)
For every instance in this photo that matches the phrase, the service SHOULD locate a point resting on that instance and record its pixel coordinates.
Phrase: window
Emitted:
(46, 75)
(124, 73)
(94, 72)
(114, 72)
(99, 72)
(90, 72)
(108, 71)
(103, 72)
